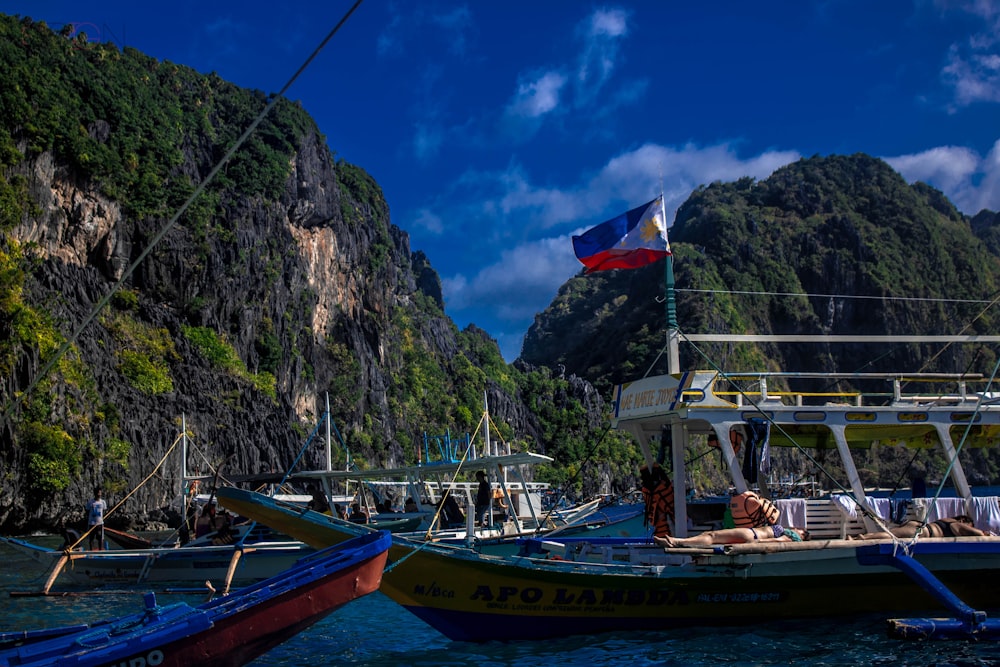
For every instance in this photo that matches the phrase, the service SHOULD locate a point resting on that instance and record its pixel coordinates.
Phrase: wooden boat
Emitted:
(561, 586)
(255, 553)
(517, 506)
(230, 630)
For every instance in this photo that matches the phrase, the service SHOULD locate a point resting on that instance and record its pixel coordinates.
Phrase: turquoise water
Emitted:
(375, 631)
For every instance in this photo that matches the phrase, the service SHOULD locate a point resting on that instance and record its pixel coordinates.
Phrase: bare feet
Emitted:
(665, 541)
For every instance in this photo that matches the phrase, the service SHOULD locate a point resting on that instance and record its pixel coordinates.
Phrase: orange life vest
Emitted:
(749, 510)
(735, 438)
(658, 494)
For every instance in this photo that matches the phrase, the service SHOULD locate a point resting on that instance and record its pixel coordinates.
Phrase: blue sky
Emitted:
(497, 130)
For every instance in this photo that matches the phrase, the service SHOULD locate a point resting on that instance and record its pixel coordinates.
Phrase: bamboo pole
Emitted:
(56, 570)
(237, 554)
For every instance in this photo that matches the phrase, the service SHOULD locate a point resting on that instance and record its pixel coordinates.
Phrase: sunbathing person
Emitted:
(957, 526)
(775, 533)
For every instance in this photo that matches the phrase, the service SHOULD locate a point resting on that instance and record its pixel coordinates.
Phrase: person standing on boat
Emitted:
(95, 520)
(484, 498)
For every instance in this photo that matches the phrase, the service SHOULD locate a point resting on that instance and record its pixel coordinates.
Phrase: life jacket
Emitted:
(735, 438)
(749, 510)
(658, 494)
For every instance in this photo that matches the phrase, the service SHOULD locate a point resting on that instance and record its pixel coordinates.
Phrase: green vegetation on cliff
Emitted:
(218, 322)
(826, 245)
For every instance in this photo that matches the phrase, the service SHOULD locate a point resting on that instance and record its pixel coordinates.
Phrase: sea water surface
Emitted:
(375, 631)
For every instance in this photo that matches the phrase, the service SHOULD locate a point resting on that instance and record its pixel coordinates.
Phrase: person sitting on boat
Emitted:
(956, 526)
(775, 533)
(318, 502)
(357, 515)
(410, 505)
(338, 511)
(223, 530)
(451, 513)
(206, 521)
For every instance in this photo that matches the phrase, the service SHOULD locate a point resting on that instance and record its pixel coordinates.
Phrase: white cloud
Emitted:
(427, 140)
(427, 221)
(514, 284)
(449, 28)
(455, 24)
(975, 78)
(564, 88)
(506, 208)
(632, 178)
(537, 96)
(602, 34)
(973, 68)
(971, 182)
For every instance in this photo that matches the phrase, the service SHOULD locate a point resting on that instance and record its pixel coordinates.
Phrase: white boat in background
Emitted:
(228, 552)
(251, 553)
(445, 463)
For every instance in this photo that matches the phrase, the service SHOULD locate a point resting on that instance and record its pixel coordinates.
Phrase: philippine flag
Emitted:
(635, 238)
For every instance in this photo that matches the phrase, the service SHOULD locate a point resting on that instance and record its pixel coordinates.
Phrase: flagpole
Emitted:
(670, 302)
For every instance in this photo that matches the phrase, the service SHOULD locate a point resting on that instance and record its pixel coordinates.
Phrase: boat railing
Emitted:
(752, 388)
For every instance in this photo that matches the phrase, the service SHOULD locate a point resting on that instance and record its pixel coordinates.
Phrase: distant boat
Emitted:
(229, 631)
(517, 503)
(251, 555)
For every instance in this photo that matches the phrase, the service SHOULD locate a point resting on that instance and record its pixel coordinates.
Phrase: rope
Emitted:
(836, 296)
(958, 449)
(130, 493)
(461, 462)
(586, 460)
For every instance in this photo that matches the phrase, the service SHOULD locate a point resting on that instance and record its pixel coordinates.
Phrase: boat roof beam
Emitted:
(957, 472)
(678, 435)
(840, 437)
(729, 454)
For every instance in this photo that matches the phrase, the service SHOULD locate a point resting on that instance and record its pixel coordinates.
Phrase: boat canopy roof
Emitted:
(889, 414)
(420, 471)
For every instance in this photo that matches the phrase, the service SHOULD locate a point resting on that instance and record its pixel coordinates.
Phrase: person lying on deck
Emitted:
(956, 526)
(775, 533)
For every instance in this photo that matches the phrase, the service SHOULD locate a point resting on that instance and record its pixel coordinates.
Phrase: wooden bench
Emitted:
(825, 519)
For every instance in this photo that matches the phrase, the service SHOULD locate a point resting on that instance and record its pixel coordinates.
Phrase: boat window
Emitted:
(693, 395)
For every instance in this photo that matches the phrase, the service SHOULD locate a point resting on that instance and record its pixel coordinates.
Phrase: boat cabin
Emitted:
(745, 412)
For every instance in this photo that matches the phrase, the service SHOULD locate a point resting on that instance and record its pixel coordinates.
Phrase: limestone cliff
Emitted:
(285, 283)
